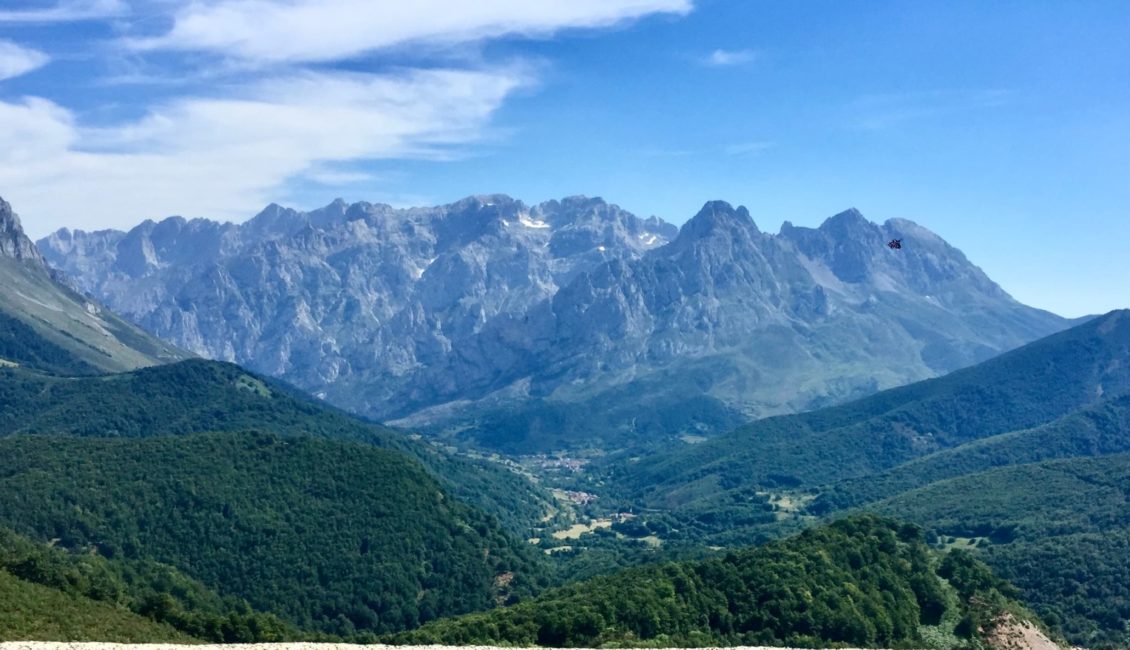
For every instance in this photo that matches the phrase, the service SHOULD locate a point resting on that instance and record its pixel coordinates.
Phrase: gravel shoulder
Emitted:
(59, 645)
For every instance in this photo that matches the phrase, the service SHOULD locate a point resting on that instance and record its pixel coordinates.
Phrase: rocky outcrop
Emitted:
(1008, 633)
(13, 242)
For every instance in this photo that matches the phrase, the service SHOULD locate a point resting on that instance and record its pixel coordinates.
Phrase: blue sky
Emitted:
(1003, 126)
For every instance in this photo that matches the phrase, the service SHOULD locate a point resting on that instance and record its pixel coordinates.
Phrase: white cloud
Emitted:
(222, 153)
(16, 60)
(225, 158)
(325, 30)
(66, 11)
(720, 58)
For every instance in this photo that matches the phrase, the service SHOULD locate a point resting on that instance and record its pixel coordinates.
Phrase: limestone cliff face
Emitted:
(432, 315)
(362, 294)
(13, 242)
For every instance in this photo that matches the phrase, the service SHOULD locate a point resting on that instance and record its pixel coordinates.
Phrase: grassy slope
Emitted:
(59, 317)
(31, 612)
(197, 395)
(155, 591)
(331, 535)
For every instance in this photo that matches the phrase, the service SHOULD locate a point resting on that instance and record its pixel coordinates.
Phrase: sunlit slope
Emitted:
(32, 612)
(96, 339)
(47, 325)
(52, 593)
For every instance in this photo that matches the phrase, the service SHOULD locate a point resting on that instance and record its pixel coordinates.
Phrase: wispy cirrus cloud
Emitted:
(326, 30)
(16, 60)
(724, 58)
(227, 157)
(876, 112)
(65, 11)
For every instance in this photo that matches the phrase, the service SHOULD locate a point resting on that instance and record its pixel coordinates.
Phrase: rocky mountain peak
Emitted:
(13, 242)
(848, 224)
(481, 202)
(905, 228)
(337, 210)
(274, 221)
(718, 217)
(661, 227)
(270, 214)
(580, 203)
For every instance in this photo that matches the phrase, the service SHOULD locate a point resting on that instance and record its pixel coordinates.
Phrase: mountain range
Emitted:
(194, 500)
(198, 499)
(568, 324)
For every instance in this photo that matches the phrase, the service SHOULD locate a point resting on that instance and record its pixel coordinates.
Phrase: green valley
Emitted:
(1032, 385)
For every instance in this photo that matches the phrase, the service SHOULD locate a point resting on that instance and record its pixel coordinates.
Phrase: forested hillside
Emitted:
(1034, 385)
(964, 455)
(330, 535)
(1059, 531)
(864, 582)
(1094, 431)
(197, 395)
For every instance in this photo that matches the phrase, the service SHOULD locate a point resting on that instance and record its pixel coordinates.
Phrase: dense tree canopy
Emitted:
(861, 581)
(330, 535)
(1059, 531)
(200, 396)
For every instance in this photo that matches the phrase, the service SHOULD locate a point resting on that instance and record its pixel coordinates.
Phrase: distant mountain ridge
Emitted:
(569, 323)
